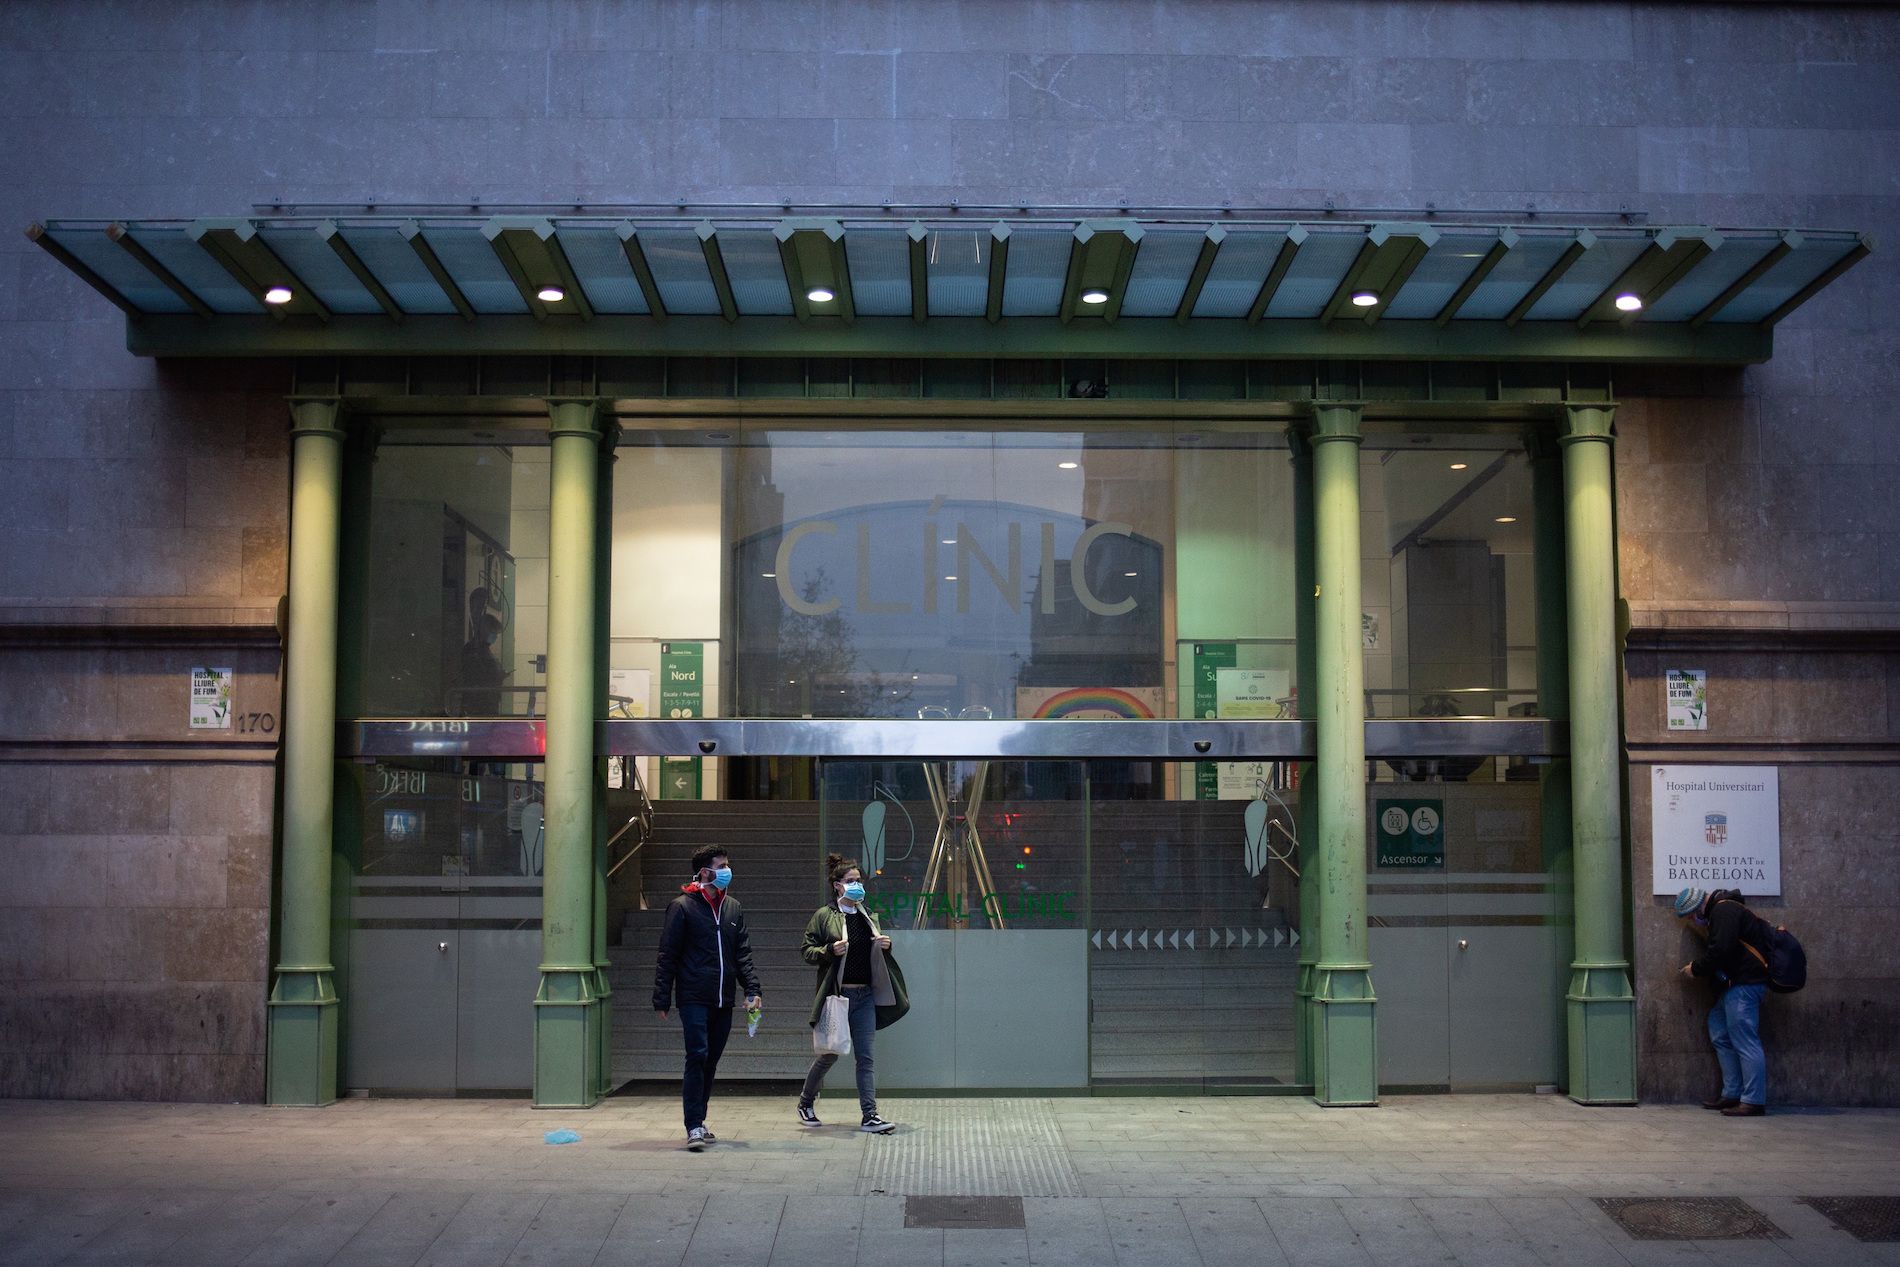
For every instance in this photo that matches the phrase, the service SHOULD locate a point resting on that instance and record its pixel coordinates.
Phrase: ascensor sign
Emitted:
(1716, 827)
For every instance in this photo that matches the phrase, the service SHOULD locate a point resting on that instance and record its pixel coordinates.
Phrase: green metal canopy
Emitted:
(1228, 287)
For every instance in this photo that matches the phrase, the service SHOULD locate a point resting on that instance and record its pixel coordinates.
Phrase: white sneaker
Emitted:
(697, 1139)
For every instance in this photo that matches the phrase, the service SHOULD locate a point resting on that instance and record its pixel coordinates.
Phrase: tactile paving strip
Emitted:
(1690, 1219)
(1864, 1218)
(969, 1148)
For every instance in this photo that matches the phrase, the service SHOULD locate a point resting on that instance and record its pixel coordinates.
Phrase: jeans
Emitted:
(706, 1030)
(1734, 1028)
(863, 1016)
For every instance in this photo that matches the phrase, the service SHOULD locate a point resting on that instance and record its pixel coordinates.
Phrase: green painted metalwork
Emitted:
(1552, 275)
(918, 239)
(1345, 1051)
(642, 271)
(716, 265)
(1306, 691)
(532, 255)
(1553, 698)
(1282, 261)
(238, 249)
(419, 243)
(332, 237)
(1200, 338)
(36, 233)
(600, 1018)
(1602, 1010)
(999, 270)
(130, 245)
(566, 1037)
(1197, 276)
(1506, 242)
(301, 1045)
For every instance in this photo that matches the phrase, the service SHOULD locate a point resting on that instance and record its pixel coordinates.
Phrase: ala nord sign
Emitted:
(1716, 827)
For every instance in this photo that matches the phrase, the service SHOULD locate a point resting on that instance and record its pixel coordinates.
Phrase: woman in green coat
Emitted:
(853, 957)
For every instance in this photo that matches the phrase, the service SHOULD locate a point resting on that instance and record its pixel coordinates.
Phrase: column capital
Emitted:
(1590, 421)
(316, 415)
(1541, 443)
(1337, 420)
(575, 416)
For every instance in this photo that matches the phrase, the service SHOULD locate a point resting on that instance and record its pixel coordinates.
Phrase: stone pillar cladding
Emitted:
(1602, 1011)
(1306, 687)
(1757, 543)
(1345, 1051)
(302, 1042)
(567, 1021)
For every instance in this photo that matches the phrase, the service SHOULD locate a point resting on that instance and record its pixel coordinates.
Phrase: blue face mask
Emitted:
(723, 877)
(854, 891)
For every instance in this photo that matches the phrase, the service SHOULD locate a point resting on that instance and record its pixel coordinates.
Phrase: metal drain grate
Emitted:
(1690, 1219)
(992, 1213)
(1864, 1218)
(970, 1148)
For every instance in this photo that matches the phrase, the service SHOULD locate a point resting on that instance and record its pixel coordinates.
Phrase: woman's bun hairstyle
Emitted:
(836, 866)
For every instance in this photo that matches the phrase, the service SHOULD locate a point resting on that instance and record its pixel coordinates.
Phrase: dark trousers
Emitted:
(706, 1030)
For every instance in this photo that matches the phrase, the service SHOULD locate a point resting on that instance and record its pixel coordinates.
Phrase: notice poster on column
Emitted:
(1715, 827)
(211, 699)
(682, 696)
(1247, 695)
(1687, 691)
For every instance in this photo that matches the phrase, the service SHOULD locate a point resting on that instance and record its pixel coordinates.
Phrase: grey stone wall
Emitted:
(136, 488)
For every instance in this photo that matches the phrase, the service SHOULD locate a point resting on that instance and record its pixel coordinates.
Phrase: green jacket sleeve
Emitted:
(817, 948)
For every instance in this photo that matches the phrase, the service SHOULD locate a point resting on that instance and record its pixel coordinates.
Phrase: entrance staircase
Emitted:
(1163, 1011)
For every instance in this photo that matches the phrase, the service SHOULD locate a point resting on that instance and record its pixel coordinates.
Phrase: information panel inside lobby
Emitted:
(1716, 827)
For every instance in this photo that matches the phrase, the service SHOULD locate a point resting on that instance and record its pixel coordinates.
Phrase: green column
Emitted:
(1553, 704)
(301, 1045)
(1306, 687)
(566, 1044)
(1345, 1053)
(602, 1014)
(1602, 1010)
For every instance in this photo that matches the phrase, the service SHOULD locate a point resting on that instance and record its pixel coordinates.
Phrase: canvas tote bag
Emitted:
(832, 1034)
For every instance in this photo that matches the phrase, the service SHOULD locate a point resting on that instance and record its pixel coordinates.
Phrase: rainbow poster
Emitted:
(1090, 703)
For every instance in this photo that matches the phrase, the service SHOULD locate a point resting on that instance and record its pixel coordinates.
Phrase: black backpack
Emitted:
(1779, 954)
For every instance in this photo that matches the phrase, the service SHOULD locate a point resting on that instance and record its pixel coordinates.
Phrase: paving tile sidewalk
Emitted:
(1428, 1179)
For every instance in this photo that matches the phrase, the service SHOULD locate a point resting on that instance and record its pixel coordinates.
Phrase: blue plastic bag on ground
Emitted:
(563, 1137)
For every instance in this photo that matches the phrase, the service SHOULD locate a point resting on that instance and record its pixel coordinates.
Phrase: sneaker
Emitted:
(710, 1137)
(1720, 1102)
(697, 1139)
(875, 1125)
(807, 1117)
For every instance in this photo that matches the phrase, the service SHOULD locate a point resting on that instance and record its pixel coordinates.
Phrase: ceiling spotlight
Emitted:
(769, 575)
(1094, 296)
(1068, 466)
(550, 294)
(1629, 303)
(1507, 519)
(1459, 466)
(949, 578)
(819, 295)
(1364, 298)
(949, 541)
(277, 295)
(1131, 574)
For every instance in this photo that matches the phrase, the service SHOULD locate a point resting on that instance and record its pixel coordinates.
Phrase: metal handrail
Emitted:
(642, 818)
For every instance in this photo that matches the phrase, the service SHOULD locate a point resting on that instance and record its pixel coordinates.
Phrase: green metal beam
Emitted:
(1660, 265)
(36, 233)
(1789, 241)
(918, 236)
(716, 265)
(1349, 284)
(1276, 274)
(1125, 254)
(1492, 258)
(130, 245)
(1572, 253)
(1101, 257)
(238, 249)
(999, 273)
(812, 253)
(531, 253)
(332, 237)
(1202, 338)
(1197, 277)
(1854, 256)
(1399, 258)
(419, 243)
(642, 271)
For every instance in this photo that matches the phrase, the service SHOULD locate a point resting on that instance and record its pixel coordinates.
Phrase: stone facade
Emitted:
(145, 523)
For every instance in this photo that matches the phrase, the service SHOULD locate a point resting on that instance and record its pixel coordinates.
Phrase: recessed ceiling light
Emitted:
(1459, 466)
(949, 578)
(1629, 303)
(277, 295)
(550, 294)
(819, 295)
(1507, 519)
(1068, 466)
(1131, 574)
(1094, 296)
(1364, 298)
(768, 575)
(949, 541)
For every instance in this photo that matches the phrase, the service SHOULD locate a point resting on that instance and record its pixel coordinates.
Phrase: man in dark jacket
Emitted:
(705, 955)
(1734, 961)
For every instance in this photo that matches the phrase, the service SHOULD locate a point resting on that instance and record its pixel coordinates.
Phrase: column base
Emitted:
(601, 1022)
(1345, 1046)
(300, 1045)
(1303, 1027)
(566, 1047)
(1602, 1022)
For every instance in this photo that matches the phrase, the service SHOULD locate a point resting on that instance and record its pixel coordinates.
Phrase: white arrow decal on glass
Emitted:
(1191, 933)
(1293, 935)
(1097, 939)
(1174, 940)
(1279, 938)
